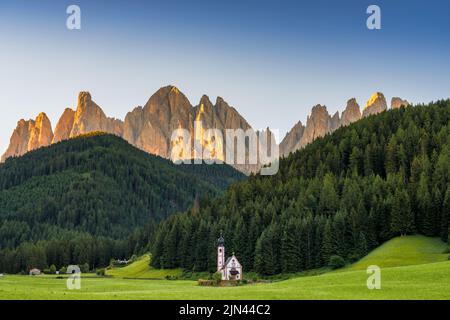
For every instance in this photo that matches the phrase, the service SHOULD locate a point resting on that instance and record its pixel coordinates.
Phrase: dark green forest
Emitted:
(343, 195)
(93, 198)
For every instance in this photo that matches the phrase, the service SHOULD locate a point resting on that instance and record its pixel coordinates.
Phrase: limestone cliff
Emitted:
(64, 125)
(29, 135)
(375, 105)
(351, 113)
(292, 138)
(397, 102)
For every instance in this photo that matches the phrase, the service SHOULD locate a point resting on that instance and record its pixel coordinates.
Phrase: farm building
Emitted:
(35, 272)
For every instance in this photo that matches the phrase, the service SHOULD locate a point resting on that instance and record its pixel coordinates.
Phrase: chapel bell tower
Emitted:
(220, 253)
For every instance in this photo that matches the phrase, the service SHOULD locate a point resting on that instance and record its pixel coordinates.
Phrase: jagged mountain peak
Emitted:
(29, 135)
(294, 135)
(84, 96)
(376, 104)
(351, 113)
(397, 102)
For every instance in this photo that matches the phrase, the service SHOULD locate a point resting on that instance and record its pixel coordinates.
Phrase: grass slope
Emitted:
(140, 269)
(404, 251)
(408, 282)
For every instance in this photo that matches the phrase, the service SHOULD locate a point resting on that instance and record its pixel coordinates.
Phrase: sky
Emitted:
(271, 60)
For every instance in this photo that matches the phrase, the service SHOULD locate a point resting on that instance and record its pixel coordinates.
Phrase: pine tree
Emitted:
(289, 247)
(356, 161)
(328, 247)
(425, 216)
(402, 220)
(267, 251)
(445, 222)
(391, 164)
(329, 199)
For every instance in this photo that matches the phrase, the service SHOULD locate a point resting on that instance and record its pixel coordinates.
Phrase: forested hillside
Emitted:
(344, 194)
(92, 198)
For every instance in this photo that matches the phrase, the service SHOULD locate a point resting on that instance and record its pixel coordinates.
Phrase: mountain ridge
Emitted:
(150, 127)
(320, 122)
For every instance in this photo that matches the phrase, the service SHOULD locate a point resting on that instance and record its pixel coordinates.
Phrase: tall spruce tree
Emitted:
(402, 219)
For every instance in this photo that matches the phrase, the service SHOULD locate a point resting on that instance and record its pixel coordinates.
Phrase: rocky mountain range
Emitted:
(320, 122)
(150, 127)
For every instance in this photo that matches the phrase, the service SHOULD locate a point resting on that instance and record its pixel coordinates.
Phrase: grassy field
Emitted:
(424, 280)
(140, 269)
(404, 251)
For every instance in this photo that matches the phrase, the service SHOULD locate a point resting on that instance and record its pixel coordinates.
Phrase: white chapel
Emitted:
(230, 269)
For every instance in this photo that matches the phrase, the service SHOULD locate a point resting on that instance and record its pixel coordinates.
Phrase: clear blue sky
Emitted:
(272, 60)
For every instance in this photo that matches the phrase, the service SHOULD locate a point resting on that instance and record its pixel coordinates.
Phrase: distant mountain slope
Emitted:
(96, 185)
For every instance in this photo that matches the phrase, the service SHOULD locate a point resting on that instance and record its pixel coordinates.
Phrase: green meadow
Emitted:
(412, 267)
(140, 270)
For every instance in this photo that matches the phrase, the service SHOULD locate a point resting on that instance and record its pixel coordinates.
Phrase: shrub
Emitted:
(354, 258)
(100, 272)
(206, 283)
(217, 277)
(336, 262)
(63, 270)
(84, 268)
(52, 269)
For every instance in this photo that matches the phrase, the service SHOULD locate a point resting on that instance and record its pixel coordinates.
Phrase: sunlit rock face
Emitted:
(397, 102)
(41, 134)
(208, 132)
(375, 105)
(89, 117)
(220, 116)
(335, 122)
(351, 113)
(18, 143)
(291, 139)
(29, 135)
(64, 126)
(318, 124)
(150, 128)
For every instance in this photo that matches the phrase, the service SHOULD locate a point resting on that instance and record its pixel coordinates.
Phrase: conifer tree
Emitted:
(445, 222)
(402, 220)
